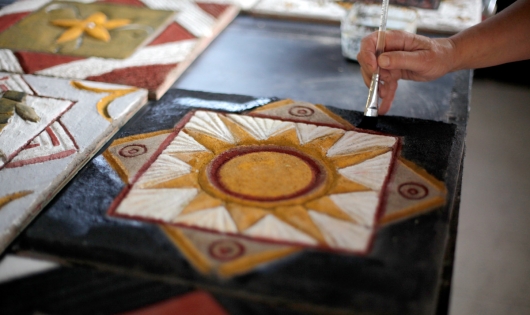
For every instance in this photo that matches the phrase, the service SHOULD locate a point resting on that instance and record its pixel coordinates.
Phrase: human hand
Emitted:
(407, 56)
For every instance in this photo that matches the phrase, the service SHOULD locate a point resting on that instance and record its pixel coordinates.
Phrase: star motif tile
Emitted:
(86, 29)
(50, 129)
(234, 191)
(259, 178)
(142, 43)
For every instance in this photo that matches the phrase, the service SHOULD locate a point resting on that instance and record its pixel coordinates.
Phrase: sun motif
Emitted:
(264, 179)
(96, 25)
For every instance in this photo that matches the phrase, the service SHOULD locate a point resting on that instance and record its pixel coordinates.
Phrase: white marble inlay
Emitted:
(157, 204)
(163, 169)
(209, 123)
(217, 219)
(271, 227)
(360, 205)
(184, 143)
(342, 234)
(352, 142)
(261, 128)
(370, 173)
(307, 133)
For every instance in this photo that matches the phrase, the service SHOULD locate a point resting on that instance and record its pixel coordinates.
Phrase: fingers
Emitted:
(368, 43)
(366, 56)
(404, 41)
(416, 61)
(404, 51)
(407, 51)
(387, 95)
(367, 60)
(387, 89)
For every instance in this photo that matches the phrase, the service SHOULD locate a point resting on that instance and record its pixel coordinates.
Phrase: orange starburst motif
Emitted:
(96, 25)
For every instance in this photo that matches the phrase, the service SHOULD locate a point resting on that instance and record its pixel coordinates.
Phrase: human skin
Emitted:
(502, 38)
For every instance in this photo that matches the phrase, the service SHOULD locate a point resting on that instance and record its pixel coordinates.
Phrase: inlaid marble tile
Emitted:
(296, 184)
(38, 157)
(412, 191)
(142, 43)
(261, 163)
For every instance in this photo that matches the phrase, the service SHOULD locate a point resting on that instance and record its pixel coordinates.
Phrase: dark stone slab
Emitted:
(401, 274)
(88, 291)
(82, 291)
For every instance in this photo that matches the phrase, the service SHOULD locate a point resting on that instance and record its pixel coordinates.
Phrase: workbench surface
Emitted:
(270, 58)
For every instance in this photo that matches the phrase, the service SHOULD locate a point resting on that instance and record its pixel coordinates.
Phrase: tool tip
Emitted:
(368, 122)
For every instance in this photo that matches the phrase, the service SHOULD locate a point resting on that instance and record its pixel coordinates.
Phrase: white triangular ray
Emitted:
(217, 219)
(158, 204)
(261, 128)
(44, 146)
(163, 169)
(168, 53)
(210, 124)
(273, 228)
(353, 141)
(22, 6)
(342, 234)
(370, 173)
(189, 15)
(13, 82)
(184, 143)
(195, 20)
(9, 62)
(360, 206)
(307, 133)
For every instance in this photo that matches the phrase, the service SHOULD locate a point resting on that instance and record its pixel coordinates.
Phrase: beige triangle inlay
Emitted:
(273, 106)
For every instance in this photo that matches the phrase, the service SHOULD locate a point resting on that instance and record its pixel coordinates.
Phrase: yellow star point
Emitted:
(96, 26)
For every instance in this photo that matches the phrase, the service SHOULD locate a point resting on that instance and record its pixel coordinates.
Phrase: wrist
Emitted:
(451, 56)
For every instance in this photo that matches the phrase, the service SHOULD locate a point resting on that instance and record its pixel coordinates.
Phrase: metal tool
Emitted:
(372, 103)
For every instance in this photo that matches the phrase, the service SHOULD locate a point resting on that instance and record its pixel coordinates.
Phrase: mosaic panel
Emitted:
(142, 43)
(50, 128)
(247, 180)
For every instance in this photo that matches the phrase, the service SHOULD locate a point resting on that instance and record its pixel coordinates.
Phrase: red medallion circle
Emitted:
(226, 250)
(301, 111)
(133, 150)
(413, 190)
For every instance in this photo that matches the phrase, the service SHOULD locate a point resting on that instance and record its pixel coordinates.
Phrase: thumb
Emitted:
(415, 61)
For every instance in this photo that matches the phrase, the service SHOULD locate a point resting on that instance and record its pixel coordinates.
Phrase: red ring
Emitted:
(138, 149)
(213, 249)
(412, 190)
(301, 111)
(319, 174)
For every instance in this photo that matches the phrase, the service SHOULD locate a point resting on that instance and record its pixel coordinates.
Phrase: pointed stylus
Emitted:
(372, 103)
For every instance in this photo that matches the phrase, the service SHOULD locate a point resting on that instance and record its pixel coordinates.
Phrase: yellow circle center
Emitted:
(265, 174)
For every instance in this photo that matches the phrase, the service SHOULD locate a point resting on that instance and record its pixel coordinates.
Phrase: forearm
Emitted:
(502, 38)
